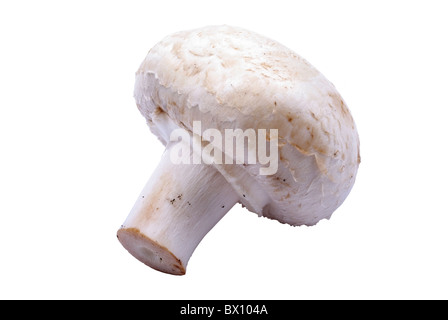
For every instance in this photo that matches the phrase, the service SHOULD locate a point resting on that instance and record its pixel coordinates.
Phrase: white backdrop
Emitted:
(75, 153)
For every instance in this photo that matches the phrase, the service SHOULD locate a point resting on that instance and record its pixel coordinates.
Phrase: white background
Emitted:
(75, 153)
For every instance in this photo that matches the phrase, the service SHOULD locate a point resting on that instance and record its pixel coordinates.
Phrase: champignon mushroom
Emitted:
(226, 78)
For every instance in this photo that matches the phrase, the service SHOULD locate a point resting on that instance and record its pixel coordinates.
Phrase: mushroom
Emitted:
(225, 78)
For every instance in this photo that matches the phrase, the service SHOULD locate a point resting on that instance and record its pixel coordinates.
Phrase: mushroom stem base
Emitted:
(178, 206)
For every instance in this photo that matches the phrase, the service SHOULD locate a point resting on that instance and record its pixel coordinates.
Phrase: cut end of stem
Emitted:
(149, 251)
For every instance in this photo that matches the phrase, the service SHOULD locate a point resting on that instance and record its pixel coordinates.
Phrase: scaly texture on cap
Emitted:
(228, 78)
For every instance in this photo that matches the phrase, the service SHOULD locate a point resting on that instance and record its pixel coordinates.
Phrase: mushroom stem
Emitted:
(178, 206)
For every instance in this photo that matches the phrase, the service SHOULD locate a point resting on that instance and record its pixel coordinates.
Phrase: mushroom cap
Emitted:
(228, 77)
